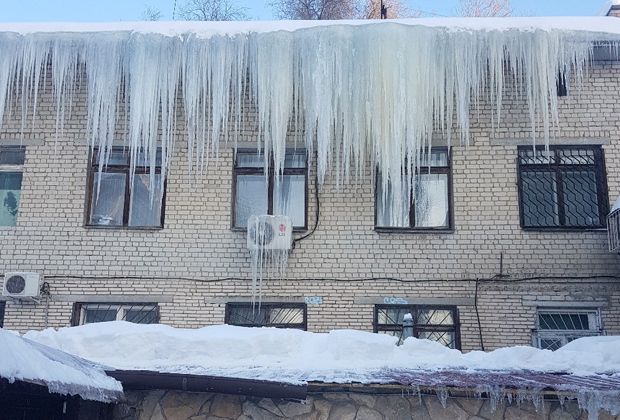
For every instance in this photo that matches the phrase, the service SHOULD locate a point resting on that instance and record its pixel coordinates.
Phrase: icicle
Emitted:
(367, 96)
(442, 395)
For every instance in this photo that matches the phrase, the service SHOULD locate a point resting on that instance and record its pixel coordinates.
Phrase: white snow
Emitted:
(363, 91)
(62, 373)
(616, 205)
(340, 356)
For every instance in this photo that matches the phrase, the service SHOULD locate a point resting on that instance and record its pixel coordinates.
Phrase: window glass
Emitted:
(12, 155)
(280, 315)
(10, 192)
(426, 205)
(108, 207)
(114, 202)
(139, 313)
(257, 193)
(557, 327)
(429, 322)
(565, 188)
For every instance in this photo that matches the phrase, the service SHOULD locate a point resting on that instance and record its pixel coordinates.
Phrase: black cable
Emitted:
(317, 210)
(478, 316)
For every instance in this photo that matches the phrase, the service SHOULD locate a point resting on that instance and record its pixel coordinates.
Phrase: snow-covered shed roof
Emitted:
(587, 367)
(27, 361)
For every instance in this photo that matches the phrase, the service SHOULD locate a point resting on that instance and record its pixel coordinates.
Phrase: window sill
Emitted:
(564, 229)
(295, 229)
(388, 230)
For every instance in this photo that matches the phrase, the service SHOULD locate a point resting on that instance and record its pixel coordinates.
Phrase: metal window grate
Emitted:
(429, 322)
(563, 188)
(613, 230)
(285, 315)
(555, 328)
(140, 313)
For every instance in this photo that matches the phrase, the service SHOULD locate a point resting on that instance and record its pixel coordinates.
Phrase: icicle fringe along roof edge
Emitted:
(352, 101)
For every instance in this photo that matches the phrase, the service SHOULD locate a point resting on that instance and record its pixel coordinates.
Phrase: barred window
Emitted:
(436, 323)
(565, 188)
(138, 313)
(279, 315)
(429, 205)
(11, 161)
(114, 203)
(556, 327)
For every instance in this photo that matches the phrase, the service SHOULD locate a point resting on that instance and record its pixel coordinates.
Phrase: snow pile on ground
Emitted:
(295, 356)
(62, 373)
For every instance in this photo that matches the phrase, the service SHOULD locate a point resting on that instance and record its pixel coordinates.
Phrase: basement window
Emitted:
(138, 313)
(278, 315)
(557, 327)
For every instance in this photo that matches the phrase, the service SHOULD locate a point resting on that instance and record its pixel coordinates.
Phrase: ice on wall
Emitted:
(360, 92)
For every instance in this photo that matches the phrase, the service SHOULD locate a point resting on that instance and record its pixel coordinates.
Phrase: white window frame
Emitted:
(564, 336)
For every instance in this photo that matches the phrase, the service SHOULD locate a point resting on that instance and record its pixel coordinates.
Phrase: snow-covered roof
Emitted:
(588, 368)
(62, 373)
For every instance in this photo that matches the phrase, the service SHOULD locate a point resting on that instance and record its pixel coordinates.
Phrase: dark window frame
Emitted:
(556, 168)
(77, 318)
(267, 306)
(2, 312)
(546, 337)
(13, 167)
(418, 328)
(433, 170)
(270, 184)
(125, 170)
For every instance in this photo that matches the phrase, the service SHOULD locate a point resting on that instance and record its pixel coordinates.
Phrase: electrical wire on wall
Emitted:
(45, 291)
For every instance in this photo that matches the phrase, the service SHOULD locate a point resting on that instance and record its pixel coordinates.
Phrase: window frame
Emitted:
(556, 168)
(14, 168)
(270, 184)
(423, 170)
(418, 328)
(78, 317)
(2, 312)
(565, 336)
(269, 305)
(125, 170)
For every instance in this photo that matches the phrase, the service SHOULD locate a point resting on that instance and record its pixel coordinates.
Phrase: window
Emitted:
(256, 194)
(436, 323)
(564, 189)
(429, 203)
(113, 203)
(138, 313)
(11, 161)
(556, 327)
(2, 308)
(279, 315)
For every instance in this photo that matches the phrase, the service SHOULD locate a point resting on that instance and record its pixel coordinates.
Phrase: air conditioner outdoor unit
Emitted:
(19, 285)
(269, 232)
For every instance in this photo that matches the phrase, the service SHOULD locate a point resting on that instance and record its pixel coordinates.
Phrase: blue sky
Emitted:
(131, 10)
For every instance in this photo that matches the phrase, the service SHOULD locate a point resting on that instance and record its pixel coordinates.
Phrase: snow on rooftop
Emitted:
(62, 373)
(295, 356)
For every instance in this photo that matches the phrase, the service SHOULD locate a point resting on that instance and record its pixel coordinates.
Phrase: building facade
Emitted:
(499, 246)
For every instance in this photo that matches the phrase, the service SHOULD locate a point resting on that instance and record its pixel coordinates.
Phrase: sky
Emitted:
(131, 10)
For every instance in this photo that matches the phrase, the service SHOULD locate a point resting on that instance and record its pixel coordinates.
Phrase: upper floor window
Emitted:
(138, 313)
(557, 327)
(279, 315)
(11, 161)
(114, 202)
(256, 193)
(429, 202)
(565, 188)
(436, 323)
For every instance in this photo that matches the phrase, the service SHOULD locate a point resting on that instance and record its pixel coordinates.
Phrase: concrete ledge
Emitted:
(308, 300)
(113, 298)
(564, 141)
(569, 305)
(406, 300)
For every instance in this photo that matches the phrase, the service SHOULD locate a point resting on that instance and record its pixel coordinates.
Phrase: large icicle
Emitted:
(368, 93)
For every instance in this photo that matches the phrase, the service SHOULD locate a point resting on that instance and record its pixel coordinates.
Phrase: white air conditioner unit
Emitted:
(20, 285)
(269, 232)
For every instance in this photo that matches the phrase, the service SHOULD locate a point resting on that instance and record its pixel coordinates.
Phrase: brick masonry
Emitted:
(196, 257)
